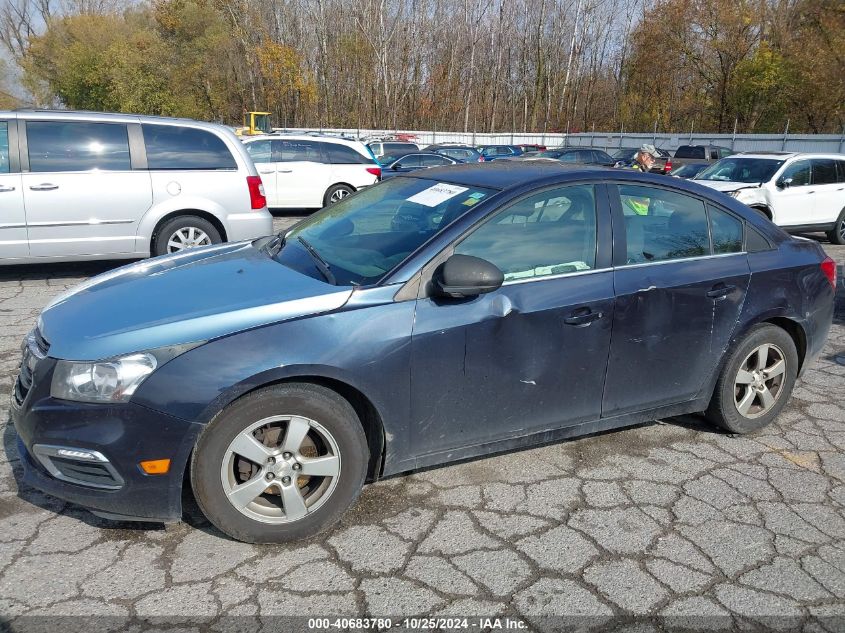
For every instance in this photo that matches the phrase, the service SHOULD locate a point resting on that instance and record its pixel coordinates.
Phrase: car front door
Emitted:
(82, 196)
(261, 153)
(530, 356)
(794, 202)
(13, 237)
(677, 297)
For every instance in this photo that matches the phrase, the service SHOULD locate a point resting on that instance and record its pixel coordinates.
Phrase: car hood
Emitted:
(721, 185)
(184, 298)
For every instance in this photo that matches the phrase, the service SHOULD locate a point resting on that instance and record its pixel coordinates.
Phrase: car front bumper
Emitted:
(61, 443)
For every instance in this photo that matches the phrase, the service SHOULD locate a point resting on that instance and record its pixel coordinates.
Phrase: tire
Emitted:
(179, 230)
(335, 439)
(336, 193)
(732, 393)
(762, 212)
(837, 234)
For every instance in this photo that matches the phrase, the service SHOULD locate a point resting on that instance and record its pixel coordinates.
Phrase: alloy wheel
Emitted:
(280, 469)
(187, 237)
(759, 381)
(338, 195)
(842, 231)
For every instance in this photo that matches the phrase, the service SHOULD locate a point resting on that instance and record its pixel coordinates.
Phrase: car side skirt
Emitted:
(809, 228)
(549, 436)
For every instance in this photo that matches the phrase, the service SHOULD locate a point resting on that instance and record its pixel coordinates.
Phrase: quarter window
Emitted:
(305, 151)
(550, 233)
(726, 232)
(799, 172)
(77, 146)
(342, 155)
(663, 225)
(171, 147)
(4, 147)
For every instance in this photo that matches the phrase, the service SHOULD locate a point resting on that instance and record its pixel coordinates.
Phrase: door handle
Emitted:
(7, 189)
(285, 171)
(44, 186)
(720, 291)
(265, 171)
(581, 318)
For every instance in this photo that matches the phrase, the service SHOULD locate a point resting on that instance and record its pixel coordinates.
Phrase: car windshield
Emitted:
(368, 234)
(625, 153)
(734, 169)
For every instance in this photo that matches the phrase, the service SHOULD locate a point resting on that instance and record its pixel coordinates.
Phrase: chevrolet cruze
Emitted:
(442, 315)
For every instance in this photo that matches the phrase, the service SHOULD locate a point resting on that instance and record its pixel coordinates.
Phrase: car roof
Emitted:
(505, 175)
(788, 155)
(304, 137)
(93, 116)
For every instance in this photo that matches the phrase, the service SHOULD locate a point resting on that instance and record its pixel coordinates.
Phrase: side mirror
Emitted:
(784, 183)
(463, 276)
(396, 166)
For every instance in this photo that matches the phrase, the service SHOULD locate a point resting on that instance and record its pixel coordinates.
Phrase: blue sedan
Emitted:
(441, 315)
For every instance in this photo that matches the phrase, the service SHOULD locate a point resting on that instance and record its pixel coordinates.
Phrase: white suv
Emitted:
(84, 186)
(798, 192)
(309, 171)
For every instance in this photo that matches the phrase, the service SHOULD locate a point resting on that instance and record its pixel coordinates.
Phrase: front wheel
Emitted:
(837, 234)
(185, 231)
(756, 381)
(281, 463)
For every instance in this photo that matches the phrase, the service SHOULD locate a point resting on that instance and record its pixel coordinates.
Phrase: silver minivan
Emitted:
(84, 186)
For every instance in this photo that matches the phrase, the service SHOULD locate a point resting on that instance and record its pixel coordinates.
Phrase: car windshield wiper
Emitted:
(321, 263)
(273, 246)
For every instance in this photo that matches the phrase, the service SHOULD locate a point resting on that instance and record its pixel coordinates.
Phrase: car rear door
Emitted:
(303, 175)
(677, 297)
(530, 356)
(13, 235)
(829, 191)
(81, 193)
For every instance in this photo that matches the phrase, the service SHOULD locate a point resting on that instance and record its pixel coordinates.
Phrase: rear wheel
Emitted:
(281, 463)
(756, 382)
(837, 234)
(183, 232)
(336, 193)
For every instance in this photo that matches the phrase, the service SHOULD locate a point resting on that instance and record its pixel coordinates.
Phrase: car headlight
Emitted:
(734, 194)
(101, 381)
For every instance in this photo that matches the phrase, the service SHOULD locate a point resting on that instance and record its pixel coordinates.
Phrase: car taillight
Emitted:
(375, 171)
(829, 270)
(257, 199)
(668, 166)
(480, 159)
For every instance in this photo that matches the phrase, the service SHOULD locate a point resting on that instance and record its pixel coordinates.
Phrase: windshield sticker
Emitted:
(436, 194)
(470, 201)
(476, 195)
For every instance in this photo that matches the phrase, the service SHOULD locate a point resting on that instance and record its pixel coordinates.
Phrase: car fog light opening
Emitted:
(106, 381)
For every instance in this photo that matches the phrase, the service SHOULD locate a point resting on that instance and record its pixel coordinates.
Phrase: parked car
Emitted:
(798, 192)
(414, 161)
(395, 148)
(584, 156)
(495, 152)
(690, 170)
(307, 171)
(531, 147)
(460, 153)
(437, 316)
(85, 186)
(625, 157)
(703, 154)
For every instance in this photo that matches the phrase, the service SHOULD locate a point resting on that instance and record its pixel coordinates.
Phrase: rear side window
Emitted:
(173, 147)
(754, 241)
(726, 232)
(4, 147)
(338, 154)
(690, 151)
(662, 225)
(77, 146)
(309, 151)
(840, 168)
(824, 171)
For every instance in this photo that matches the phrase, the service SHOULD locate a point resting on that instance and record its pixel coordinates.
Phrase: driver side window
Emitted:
(799, 171)
(550, 233)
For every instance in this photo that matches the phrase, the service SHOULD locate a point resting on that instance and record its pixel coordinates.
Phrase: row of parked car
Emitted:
(102, 186)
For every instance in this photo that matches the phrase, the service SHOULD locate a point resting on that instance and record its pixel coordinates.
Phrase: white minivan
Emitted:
(86, 186)
(798, 192)
(309, 171)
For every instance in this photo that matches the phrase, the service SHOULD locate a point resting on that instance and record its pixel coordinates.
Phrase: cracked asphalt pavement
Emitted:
(665, 525)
